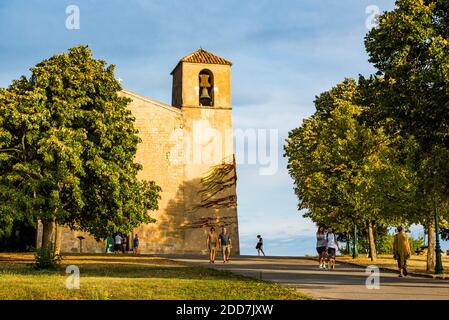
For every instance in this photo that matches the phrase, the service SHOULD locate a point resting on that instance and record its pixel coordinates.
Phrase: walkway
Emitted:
(345, 282)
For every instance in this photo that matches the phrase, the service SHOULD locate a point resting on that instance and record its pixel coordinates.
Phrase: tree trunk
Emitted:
(348, 246)
(48, 233)
(38, 234)
(430, 246)
(371, 241)
(58, 237)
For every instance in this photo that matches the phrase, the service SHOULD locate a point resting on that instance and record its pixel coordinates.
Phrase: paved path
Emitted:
(345, 282)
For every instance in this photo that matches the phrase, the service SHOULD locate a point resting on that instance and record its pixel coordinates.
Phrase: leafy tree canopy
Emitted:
(68, 149)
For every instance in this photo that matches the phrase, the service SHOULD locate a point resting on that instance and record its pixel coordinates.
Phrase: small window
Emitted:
(206, 85)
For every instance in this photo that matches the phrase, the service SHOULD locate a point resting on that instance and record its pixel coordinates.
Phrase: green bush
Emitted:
(385, 244)
(46, 258)
(415, 244)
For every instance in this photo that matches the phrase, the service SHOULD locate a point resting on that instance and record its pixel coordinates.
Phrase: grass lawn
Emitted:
(129, 277)
(415, 263)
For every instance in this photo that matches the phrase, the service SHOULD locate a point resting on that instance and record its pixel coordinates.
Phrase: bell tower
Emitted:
(202, 79)
(202, 90)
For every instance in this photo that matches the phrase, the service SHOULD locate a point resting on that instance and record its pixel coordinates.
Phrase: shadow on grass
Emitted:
(131, 271)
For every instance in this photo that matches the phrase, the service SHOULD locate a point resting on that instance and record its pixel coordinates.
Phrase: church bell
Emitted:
(204, 93)
(205, 98)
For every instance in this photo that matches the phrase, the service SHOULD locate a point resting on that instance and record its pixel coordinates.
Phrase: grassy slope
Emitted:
(129, 277)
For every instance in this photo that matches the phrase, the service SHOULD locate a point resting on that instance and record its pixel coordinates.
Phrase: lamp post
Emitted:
(438, 262)
(355, 252)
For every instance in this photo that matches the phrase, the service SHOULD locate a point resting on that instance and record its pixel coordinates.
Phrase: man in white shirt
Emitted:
(332, 247)
(117, 243)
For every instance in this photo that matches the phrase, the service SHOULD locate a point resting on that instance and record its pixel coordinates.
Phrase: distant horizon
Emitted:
(306, 245)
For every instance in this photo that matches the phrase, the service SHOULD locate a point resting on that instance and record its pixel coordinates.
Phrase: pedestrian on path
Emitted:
(401, 251)
(136, 244)
(212, 244)
(117, 243)
(109, 244)
(332, 247)
(259, 245)
(225, 243)
(321, 246)
(124, 245)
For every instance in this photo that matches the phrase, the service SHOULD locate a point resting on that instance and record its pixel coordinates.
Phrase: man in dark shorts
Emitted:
(117, 243)
(332, 247)
(224, 241)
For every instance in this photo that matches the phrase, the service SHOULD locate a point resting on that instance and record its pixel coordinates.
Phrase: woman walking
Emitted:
(259, 246)
(321, 246)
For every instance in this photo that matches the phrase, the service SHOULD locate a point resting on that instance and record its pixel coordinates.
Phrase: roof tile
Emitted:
(202, 56)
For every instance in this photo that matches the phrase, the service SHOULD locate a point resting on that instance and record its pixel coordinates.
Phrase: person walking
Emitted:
(212, 244)
(259, 245)
(332, 247)
(321, 247)
(136, 244)
(401, 251)
(117, 243)
(109, 244)
(124, 244)
(225, 243)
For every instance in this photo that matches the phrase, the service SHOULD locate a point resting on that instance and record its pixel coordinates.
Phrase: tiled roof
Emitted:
(202, 56)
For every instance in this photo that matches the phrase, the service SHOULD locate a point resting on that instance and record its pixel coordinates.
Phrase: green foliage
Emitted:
(344, 171)
(69, 147)
(410, 92)
(385, 243)
(417, 243)
(377, 149)
(46, 258)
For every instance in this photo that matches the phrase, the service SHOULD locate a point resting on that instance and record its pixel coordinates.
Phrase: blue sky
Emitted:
(283, 53)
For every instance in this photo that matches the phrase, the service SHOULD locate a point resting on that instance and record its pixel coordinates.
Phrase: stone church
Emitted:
(180, 144)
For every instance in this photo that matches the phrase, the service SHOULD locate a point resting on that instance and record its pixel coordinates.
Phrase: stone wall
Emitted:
(210, 131)
(158, 127)
(166, 153)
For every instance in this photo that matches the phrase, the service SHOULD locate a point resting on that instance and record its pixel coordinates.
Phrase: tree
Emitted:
(410, 50)
(74, 146)
(343, 170)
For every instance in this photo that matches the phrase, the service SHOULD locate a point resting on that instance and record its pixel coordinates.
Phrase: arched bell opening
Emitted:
(206, 85)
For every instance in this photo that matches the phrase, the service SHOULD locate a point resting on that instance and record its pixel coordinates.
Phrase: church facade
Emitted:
(181, 144)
